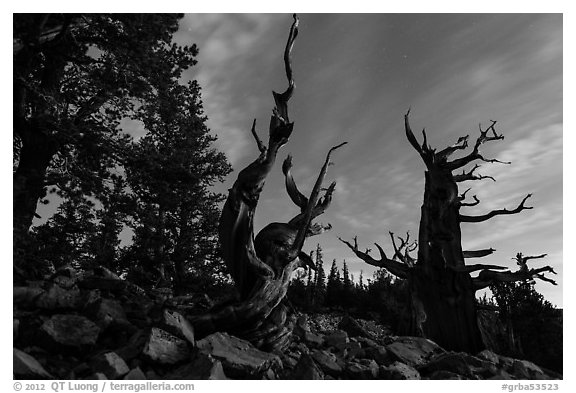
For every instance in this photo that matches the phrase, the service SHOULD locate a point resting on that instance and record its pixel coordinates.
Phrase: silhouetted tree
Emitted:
(442, 290)
(76, 77)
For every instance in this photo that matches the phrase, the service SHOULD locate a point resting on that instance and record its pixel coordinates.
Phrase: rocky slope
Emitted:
(96, 326)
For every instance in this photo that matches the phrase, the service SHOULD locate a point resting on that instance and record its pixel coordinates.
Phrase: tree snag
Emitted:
(262, 266)
(442, 290)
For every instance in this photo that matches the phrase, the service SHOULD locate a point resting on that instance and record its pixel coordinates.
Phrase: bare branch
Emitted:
(312, 201)
(261, 146)
(297, 197)
(470, 175)
(282, 99)
(489, 277)
(461, 143)
(468, 204)
(476, 267)
(478, 253)
(475, 154)
(493, 213)
(398, 269)
(410, 134)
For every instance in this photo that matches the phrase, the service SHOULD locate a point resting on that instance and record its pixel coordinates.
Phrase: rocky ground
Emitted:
(96, 326)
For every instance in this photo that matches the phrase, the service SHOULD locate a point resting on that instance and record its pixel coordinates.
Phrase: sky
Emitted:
(356, 75)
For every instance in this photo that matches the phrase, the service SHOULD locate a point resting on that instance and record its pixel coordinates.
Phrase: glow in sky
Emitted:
(356, 75)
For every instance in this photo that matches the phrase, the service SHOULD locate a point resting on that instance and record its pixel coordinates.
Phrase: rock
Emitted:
(289, 361)
(444, 374)
(337, 337)
(15, 327)
(378, 354)
(70, 331)
(164, 348)
(414, 351)
(489, 356)
(457, 363)
(398, 370)
(533, 371)
(362, 369)
(110, 364)
(26, 366)
(57, 298)
(351, 350)
(25, 297)
(203, 366)
(107, 312)
(501, 375)
(306, 369)
(96, 377)
(353, 328)
(65, 277)
(239, 358)
(176, 324)
(135, 374)
(367, 342)
(313, 340)
(327, 362)
(134, 346)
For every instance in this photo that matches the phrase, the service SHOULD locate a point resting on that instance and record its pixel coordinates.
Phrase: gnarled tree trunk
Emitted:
(262, 267)
(443, 306)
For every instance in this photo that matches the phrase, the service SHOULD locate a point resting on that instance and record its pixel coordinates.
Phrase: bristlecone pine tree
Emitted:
(261, 267)
(442, 289)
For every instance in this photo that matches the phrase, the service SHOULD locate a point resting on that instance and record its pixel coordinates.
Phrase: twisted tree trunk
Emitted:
(262, 267)
(443, 306)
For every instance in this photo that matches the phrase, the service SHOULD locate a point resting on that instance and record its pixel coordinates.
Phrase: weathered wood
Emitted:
(261, 266)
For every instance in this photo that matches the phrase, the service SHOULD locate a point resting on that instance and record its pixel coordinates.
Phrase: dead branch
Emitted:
(398, 269)
(493, 213)
(478, 253)
(464, 176)
(489, 277)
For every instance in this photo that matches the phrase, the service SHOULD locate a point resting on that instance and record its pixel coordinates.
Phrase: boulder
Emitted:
(336, 338)
(377, 353)
(445, 374)
(239, 358)
(306, 369)
(367, 342)
(135, 374)
(523, 369)
(313, 340)
(353, 328)
(25, 297)
(362, 369)
(69, 331)
(164, 348)
(65, 277)
(26, 366)
(176, 324)
(489, 356)
(15, 328)
(58, 298)
(398, 370)
(106, 312)
(203, 366)
(327, 362)
(109, 364)
(134, 347)
(351, 350)
(455, 362)
(414, 351)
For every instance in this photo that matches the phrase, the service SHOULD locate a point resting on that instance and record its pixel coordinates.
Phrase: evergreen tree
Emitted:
(320, 280)
(534, 325)
(333, 286)
(76, 77)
